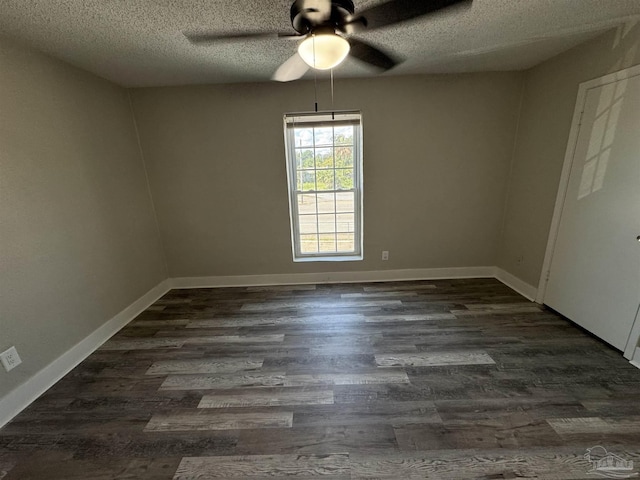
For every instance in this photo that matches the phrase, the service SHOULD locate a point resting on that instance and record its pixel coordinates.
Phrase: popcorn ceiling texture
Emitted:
(139, 42)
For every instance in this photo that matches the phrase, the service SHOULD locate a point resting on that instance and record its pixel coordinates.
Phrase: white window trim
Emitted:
(315, 118)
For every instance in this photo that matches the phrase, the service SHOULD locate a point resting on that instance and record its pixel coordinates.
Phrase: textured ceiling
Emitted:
(139, 42)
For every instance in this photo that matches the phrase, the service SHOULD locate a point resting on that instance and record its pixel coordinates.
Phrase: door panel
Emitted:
(594, 278)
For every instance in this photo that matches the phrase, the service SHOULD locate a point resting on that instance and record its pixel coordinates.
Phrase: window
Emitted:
(324, 167)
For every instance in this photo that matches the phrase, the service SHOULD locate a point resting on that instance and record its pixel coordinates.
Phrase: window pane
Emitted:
(308, 224)
(307, 203)
(325, 179)
(344, 179)
(324, 157)
(326, 203)
(324, 136)
(304, 158)
(324, 160)
(344, 157)
(306, 180)
(326, 223)
(309, 243)
(346, 222)
(346, 242)
(303, 137)
(327, 242)
(345, 202)
(343, 135)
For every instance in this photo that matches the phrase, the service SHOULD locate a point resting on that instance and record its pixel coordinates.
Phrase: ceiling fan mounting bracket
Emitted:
(307, 15)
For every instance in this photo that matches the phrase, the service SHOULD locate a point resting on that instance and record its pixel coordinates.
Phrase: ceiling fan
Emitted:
(326, 28)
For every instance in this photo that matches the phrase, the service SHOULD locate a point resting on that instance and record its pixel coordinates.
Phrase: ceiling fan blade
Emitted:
(396, 11)
(292, 69)
(208, 38)
(371, 55)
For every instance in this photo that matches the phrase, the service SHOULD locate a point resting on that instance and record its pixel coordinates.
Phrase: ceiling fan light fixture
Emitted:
(324, 51)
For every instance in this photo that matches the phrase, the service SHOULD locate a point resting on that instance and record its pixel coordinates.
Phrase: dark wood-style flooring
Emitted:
(448, 379)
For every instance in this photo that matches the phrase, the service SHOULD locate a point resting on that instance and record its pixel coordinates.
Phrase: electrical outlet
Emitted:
(10, 359)
(519, 259)
(385, 255)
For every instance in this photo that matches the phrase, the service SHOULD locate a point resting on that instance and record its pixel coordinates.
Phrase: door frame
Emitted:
(563, 185)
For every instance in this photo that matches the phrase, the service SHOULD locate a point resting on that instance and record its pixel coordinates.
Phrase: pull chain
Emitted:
(315, 86)
(333, 117)
(315, 73)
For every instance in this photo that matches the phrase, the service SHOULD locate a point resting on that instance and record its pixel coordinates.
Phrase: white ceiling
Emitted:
(139, 42)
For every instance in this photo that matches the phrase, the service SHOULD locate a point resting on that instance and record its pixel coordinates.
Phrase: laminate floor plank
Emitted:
(140, 444)
(518, 430)
(607, 425)
(158, 323)
(142, 344)
(232, 339)
(376, 333)
(381, 393)
(440, 379)
(314, 341)
(344, 348)
(305, 306)
(269, 398)
(501, 306)
(206, 420)
(626, 406)
(398, 286)
(273, 321)
(203, 382)
(52, 468)
(321, 363)
(542, 463)
(383, 376)
(380, 294)
(434, 359)
(282, 288)
(211, 365)
(318, 440)
(409, 318)
(399, 414)
(332, 467)
(487, 409)
(495, 311)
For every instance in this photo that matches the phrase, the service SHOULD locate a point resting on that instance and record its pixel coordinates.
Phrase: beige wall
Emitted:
(78, 240)
(547, 110)
(437, 152)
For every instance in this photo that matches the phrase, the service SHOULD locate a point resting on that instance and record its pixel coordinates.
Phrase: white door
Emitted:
(594, 277)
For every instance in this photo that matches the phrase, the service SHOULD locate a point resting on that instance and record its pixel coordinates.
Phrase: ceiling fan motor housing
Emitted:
(307, 15)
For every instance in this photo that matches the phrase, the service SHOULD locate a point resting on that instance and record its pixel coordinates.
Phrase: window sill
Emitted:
(335, 258)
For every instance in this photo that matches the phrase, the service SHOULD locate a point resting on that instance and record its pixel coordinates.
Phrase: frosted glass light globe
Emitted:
(324, 51)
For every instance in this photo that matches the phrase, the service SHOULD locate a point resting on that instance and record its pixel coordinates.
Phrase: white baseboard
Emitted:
(523, 288)
(17, 400)
(333, 277)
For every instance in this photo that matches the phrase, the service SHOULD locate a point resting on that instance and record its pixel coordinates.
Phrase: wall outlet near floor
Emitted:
(519, 259)
(385, 255)
(10, 359)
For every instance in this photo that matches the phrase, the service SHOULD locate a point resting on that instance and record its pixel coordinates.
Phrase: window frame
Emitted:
(315, 119)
